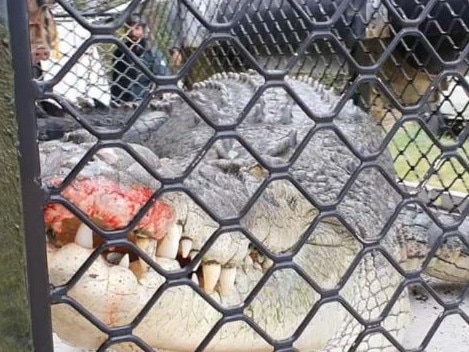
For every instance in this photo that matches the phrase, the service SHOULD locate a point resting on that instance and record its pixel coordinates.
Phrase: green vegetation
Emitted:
(417, 158)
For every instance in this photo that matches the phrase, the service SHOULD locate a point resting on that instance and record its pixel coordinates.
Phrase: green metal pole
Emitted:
(25, 322)
(15, 320)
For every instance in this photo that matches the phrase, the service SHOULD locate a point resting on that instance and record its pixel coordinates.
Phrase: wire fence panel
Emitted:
(265, 175)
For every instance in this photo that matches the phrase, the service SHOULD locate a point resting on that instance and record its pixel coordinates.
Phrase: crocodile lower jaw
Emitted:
(180, 318)
(174, 252)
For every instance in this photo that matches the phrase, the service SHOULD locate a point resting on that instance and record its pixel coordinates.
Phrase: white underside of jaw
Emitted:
(127, 285)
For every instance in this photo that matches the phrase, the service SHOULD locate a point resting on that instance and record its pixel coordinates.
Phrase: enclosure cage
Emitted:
(264, 175)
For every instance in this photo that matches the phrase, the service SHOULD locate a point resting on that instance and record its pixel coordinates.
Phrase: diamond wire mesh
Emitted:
(404, 79)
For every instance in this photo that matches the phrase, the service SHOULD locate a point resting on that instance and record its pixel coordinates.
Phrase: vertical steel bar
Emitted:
(32, 197)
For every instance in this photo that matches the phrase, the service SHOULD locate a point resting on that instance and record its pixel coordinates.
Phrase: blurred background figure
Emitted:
(128, 82)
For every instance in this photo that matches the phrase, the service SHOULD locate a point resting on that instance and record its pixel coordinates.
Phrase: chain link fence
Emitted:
(264, 175)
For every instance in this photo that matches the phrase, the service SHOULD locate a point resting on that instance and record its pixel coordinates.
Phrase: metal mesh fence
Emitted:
(263, 175)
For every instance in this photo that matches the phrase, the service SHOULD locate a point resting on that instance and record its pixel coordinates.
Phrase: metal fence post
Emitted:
(35, 246)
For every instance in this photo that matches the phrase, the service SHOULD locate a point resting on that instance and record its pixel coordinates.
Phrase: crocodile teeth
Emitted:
(192, 255)
(125, 261)
(147, 245)
(114, 257)
(185, 247)
(169, 246)
(248, 262)
(211, 274)
(260, 258)
(84, 236)
(227, 280)
(257, 266)
(267, 263)
(195, 279)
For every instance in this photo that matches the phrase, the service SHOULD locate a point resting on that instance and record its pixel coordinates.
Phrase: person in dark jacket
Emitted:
(129, 83)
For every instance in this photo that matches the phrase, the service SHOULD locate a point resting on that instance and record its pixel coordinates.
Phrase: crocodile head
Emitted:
(172, 291)
(122, 279)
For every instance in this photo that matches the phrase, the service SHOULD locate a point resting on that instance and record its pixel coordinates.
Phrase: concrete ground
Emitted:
(451, 336)
(453, 333)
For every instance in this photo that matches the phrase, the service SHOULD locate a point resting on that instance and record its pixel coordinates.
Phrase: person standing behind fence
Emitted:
(128, 82)
(187, 34)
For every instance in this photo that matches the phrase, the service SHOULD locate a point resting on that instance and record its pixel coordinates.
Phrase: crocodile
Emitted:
(322, 180)
(54, 121)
